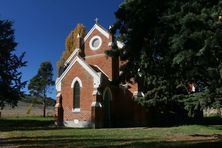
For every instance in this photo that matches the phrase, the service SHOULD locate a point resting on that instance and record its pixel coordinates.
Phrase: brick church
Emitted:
(85, 94)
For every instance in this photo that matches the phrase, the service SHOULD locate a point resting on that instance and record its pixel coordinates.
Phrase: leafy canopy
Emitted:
(71, 43)
(10, 76)
(40, 83)
(169, 44)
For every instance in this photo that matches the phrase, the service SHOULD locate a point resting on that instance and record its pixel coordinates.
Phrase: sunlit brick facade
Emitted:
(85, 94)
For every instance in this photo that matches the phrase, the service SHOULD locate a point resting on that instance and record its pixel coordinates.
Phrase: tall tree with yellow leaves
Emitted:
(71, 43)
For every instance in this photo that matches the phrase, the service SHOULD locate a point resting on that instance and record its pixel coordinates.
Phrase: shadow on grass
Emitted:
(87, 141)
(206, 121)
(39, 123)
(27, 124)
(178, 144)
(164, 122)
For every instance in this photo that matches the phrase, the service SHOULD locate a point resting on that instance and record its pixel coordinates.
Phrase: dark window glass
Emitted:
(76, 99)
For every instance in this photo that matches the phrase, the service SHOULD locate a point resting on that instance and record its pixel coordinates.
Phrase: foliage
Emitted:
(169, 44)
(10, 76)
(40, 84)
(71, 40)
(71, 43)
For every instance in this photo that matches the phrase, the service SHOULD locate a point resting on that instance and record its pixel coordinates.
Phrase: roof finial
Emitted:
(96, 20)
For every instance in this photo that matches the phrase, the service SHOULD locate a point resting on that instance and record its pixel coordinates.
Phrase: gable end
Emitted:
(100, 29)
(93, 73)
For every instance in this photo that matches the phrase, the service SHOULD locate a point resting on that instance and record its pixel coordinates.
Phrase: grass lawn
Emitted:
(40, 132)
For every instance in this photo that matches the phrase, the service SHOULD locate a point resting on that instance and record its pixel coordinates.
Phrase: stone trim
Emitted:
(76, 110)
(77, 123)
(71, 56)
(96, 104)
(96, 76)
(91, 41)
(74, 81)
(100, 29)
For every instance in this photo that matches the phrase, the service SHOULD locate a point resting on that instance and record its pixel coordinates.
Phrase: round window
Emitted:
(95, 43)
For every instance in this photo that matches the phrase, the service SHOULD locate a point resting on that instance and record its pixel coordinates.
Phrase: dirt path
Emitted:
(195, 137)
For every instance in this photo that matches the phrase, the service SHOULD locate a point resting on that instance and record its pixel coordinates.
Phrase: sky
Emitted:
(41, 27)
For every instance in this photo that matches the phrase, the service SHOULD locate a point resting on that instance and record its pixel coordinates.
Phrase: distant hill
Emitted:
(29, 106)
(37, 100)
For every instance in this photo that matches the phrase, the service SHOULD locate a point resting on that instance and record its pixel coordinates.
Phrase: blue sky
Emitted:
(41, 26)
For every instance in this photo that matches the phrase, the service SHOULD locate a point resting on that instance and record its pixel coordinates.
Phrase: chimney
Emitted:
(79, 41)
(79, 44)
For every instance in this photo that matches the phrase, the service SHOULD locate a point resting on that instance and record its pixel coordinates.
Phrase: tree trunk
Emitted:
(44, 106)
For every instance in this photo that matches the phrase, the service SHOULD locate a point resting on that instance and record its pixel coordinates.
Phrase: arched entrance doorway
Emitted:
(107, 97)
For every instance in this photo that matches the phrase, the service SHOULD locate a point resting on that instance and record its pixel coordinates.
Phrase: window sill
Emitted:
(76, 110)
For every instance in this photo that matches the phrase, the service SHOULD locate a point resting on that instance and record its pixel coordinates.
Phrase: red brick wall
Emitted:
(103, 47)
(123, 108)
(103, 62)
(86, 96)
(108, 64)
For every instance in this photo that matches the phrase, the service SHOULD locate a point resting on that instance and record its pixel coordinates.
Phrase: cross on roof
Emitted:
(96, 20)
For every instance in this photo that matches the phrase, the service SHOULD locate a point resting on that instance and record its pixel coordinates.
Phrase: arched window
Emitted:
(76, 96)
(107, 97)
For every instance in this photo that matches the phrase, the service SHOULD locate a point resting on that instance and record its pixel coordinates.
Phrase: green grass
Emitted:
(41, 132)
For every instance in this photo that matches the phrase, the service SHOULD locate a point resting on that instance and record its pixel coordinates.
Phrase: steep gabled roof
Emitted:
(100, 29)
(86, 66)
(96, 26)
(98, 69)
(72, 56)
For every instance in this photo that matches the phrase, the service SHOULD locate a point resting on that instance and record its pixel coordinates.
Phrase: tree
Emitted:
(10, 76)
(40, 84)
(196, 53)
(168, 45)
(70, 44)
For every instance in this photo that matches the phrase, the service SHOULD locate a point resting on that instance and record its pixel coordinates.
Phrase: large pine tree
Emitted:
(10, 76)
(168, 45)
